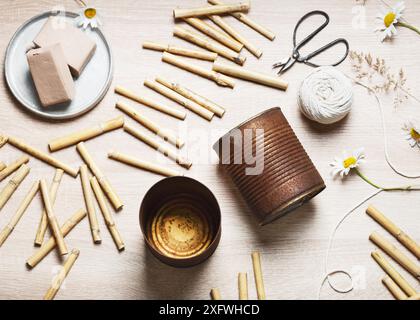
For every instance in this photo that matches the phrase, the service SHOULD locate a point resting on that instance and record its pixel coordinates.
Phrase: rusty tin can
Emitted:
(283, 177)
(181, 221)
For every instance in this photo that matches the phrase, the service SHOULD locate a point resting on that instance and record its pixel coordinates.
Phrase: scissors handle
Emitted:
(324, 48)
(314, 33)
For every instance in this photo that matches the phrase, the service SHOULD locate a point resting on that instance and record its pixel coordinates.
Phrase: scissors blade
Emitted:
(287, 66)
(281, 63)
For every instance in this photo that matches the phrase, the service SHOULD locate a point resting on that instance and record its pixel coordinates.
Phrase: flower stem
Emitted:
(408, 26)
(403, 188)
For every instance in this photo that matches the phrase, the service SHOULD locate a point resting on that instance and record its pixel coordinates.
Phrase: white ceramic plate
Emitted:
(91, 86)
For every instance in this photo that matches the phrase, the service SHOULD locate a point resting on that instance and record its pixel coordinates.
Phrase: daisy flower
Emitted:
(412, 133)
(88, 16)
(349, 160)
(388, 19)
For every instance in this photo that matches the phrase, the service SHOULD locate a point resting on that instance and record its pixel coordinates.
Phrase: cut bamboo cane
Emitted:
(395, 254)
(150, 103)
(218, 78)
(394, 230)
(248, 21)
(86, 134)
(107, 215)
(13, 167)
(215, 294)
(3, 140)
(202, 55)
(90, 208)
(416, 297)
(259, 282)
(117, 156)
(396, 277)
(102, 179)
(13, 184)
(151, 125)
(205, 11)
(249, 75)
(43, 224)
(61, 276)
(52, 219)
(48, 246)
(208, 45)
(157, 146)
(7, 230)
(236, 35)
(186, 93)
(214, 34)
(243, 286)
(186, 103)
(42, 156)
(2, 166)
(394, 288)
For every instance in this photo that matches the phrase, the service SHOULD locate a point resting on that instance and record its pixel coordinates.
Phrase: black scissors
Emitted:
(296, 57)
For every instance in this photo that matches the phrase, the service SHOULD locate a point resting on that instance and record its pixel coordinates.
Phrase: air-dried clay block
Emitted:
(77, 46)
(51, 75)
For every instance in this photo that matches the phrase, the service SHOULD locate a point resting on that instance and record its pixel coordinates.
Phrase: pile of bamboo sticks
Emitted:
(243, 281)
(399, 287)
(219, 39)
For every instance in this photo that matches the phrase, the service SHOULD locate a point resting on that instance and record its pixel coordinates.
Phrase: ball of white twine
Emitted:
(326, 95)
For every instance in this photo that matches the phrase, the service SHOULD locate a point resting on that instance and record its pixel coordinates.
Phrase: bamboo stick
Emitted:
(214, 34)
(248, 21)
(7, 230)
(394, 288)
(394, 230)
(3, 140)
(86, 134)
(151, 125)
(48, 246)
(396, 277)
(236, 35)
(183, 162)
(42, 156)
(43, 224)
(259, 282)
(102, 179)
(2, 166)
(243, 286)
(150, 103)
(416, 297)
(186, 103)
(61, 276)
(205, 11)
(90, 207)
(208, 45)
(13, 184)
(142, 164)
(52, 219)
(218, 78)
(202, 55)
(395, 254)
(107, 215)
(13, 167)
(249, 75)
(215, 294)
(188, 94)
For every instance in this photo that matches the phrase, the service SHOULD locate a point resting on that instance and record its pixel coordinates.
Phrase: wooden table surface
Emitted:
(294, 247)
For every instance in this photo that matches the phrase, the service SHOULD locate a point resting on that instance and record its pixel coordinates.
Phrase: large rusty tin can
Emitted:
(181, 221)
(282, 176)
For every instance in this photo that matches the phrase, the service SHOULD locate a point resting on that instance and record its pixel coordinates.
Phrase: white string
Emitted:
(325, 95)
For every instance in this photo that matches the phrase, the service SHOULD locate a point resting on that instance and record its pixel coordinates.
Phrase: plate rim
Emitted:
(46, 115)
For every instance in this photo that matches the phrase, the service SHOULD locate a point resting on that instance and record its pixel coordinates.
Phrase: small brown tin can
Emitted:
(283, 176)
(181, 221)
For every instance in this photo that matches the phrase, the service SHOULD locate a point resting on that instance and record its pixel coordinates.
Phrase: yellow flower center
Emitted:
(414, 134)
(90, 13)
(389, 19)
(349, 162)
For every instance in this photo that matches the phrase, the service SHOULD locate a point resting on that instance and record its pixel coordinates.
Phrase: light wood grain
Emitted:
(295, 244)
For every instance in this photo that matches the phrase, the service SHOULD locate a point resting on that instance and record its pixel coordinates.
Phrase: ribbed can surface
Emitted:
(288, 177)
